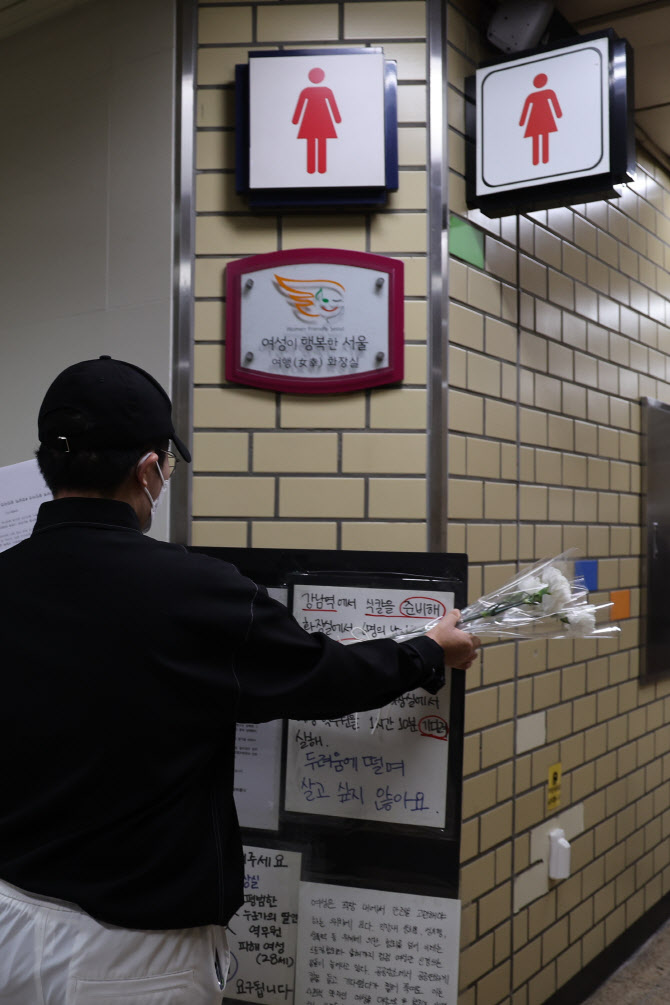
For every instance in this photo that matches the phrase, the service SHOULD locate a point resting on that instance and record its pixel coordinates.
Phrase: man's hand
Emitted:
(459, 647)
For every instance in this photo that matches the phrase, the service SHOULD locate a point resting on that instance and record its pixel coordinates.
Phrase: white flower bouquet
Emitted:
(540, 603)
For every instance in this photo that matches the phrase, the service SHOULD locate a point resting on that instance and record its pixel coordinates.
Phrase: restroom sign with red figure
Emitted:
(539, 111)
(317, 112)
(317, 120)
(543, 118)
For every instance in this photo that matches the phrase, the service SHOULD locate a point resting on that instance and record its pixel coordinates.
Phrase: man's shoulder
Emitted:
(189, 562)
(14, 552)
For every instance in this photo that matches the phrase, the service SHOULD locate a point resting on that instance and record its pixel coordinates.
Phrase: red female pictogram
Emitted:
(541, 119)
(320, 108)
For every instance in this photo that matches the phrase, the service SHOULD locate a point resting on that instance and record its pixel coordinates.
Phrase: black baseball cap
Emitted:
(106, 403)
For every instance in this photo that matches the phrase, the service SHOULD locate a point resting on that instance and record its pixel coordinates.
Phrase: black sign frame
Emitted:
(338, 198)
(575, 190)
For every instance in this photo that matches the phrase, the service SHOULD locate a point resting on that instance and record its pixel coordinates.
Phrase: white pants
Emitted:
(52, 953)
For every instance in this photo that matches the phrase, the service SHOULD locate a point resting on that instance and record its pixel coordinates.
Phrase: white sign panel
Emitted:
(22, 492)
(391, 765)
(543, 118)
(316, 121)
(311, 320)
(262, 935)
(376, 947)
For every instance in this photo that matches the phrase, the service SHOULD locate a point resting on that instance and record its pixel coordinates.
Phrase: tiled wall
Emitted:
(342, 471)
(551, 346)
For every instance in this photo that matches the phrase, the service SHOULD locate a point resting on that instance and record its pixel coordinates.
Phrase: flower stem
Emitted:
(515, 600)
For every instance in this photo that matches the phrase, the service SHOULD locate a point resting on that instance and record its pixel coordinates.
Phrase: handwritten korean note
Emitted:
(376, 948)
(263, 933)
(394, 771)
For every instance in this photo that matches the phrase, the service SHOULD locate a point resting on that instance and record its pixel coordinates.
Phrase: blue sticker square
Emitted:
(587, 568)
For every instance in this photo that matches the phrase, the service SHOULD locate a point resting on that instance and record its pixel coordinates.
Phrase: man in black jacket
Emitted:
(127, 664)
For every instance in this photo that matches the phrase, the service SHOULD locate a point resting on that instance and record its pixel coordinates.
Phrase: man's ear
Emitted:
(144, 465)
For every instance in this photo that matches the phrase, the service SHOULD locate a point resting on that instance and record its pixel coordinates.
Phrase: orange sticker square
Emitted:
(621, 605)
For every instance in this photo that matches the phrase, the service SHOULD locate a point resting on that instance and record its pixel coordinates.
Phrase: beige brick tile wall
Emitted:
(544, 453)
(293, 534)
(295, 452)
(220, 534)
(287, 23)
(372, 446)
(594, 310)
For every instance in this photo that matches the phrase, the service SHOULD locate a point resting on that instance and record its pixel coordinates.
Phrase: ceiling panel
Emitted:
(577, 10)
(640, 29)
(656, 125)
(646, 25)
(652, 80)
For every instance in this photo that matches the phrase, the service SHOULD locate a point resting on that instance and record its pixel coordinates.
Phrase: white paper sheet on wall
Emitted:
(258, 764)
(394, 771)
(263, 934)
(257, 774)
(22, 491)
(377, 947)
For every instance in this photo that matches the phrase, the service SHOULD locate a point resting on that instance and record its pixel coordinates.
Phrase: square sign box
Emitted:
(314, 321)
(316, 127)
(552, 127)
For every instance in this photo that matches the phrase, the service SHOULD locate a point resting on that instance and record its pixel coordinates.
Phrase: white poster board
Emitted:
(262, 935)
(372, 946)
(389, 766)
(22, 492)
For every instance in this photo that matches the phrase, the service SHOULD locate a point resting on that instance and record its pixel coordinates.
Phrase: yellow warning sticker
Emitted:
(554, 787)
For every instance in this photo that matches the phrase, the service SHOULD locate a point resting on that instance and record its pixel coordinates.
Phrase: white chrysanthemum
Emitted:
(531, 584)
(581, 620)
(540, 603)
(559, 594)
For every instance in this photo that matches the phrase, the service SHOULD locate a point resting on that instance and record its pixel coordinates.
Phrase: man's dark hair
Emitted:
(89, 470)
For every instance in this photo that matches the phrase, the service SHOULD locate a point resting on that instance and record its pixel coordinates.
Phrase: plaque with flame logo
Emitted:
(314, 321)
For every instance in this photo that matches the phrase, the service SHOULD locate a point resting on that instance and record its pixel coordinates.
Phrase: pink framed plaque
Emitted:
(314, 321)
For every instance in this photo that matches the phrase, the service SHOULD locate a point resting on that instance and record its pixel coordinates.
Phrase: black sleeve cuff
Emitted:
(432, 658)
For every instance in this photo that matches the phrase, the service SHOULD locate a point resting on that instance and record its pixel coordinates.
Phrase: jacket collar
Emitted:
(82, 510)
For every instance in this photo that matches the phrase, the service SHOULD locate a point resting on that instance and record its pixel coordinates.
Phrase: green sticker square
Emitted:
(466, 242)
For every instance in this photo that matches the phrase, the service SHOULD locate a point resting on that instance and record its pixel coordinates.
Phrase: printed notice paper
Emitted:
(263, 933)
(22, 491)
(257, 769)
(376, 947)
(389, 766)
(258, 764)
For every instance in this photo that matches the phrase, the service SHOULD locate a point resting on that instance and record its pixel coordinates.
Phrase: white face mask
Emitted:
(161, 492)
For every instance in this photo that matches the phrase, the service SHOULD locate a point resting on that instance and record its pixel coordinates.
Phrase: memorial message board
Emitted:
(262, 935)
(302, 942)
(389, 765)
(360, 881)
(361, 945)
